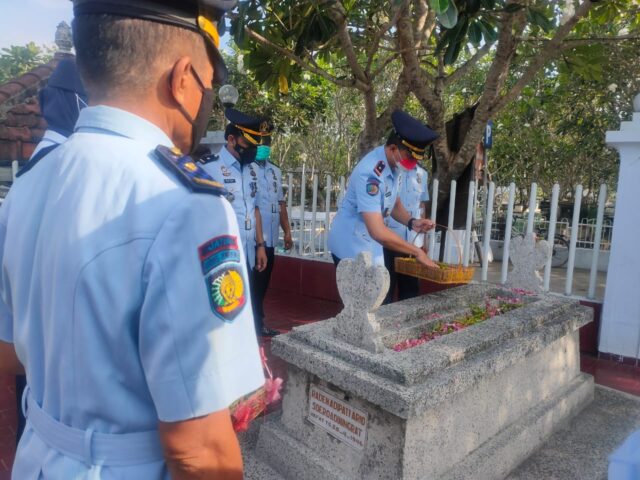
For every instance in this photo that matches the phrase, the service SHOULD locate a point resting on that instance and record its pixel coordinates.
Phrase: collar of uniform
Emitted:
(123, 123)
(54, 137)
(228, 159)
(380, 155)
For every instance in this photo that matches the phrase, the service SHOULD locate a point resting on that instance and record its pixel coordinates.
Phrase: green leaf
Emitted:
(489, 31)
(475, 33)
(449, 18)
(440, 6)
(458, 35)
(539, 18)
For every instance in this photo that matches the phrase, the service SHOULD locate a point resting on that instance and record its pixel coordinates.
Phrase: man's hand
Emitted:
(261, 259)
(425, 260)
(422, 225)
(288, 241)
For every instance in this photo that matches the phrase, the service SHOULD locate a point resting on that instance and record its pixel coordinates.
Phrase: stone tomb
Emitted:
(472, 404)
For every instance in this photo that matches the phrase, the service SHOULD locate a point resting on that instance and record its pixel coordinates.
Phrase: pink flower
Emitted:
(272, 388)
(242, 417)
(521, 291)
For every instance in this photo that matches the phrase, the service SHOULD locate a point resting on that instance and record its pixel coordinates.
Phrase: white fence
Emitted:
(312, 203)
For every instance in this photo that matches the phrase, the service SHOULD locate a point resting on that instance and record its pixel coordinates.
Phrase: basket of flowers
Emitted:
(441, 273)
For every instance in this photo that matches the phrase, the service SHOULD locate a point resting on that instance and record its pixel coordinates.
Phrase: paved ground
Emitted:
(579, 451)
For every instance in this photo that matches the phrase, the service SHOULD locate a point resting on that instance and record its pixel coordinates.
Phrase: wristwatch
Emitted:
(261, 244)
(410, 223)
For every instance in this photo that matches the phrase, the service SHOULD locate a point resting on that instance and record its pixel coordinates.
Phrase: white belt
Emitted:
(88, 446)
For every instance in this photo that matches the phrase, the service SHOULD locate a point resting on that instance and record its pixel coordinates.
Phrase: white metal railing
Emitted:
(312, 202)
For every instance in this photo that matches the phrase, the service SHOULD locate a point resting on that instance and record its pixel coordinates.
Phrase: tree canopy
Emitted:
(421, 54)
(16, 60)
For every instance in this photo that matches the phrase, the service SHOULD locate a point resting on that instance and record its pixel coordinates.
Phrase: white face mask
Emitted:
(80, 102)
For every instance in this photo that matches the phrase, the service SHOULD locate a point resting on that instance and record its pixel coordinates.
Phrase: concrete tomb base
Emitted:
(472, 404)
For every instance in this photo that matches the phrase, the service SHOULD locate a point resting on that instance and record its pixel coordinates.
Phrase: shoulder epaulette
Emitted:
(189, 172)
(214, 157)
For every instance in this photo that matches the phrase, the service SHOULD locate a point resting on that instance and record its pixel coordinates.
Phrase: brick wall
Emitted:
(21, 123)
(21, 130)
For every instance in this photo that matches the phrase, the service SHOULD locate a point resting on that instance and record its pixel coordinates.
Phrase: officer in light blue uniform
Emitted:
(371, 200)
(234, 167)
(413, 193)
(124, 291)
(274, 215)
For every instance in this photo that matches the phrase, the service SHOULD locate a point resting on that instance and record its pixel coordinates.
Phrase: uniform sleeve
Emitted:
(425, 186)
(6, 317)
(280, 189)
(369, 190)
(196, 337)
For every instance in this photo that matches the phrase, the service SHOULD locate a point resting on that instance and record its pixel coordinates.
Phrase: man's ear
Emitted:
(179, 79)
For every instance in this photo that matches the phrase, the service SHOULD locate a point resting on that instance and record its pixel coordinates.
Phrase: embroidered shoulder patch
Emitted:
(227, 293)
(373, 186)
(189, 172)
(379, 168)
(225, 283)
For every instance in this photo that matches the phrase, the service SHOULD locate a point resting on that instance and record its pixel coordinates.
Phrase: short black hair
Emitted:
(231, 129)
(394, 139)
(115, 52)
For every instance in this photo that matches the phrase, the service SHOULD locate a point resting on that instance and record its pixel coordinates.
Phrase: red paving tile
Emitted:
(283, 312)
(610, 373)
(8, 421)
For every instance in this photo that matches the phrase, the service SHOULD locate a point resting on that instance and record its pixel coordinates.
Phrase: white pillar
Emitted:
(620, 329)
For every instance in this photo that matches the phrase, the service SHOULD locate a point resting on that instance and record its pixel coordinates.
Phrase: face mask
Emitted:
(247, 154)
(264, 153)
(200, 123)
(408, 164)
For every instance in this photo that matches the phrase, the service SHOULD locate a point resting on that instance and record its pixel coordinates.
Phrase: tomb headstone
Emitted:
(472, 403)
(528, 257)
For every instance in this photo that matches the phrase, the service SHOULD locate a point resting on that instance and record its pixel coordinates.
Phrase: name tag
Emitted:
(247, 224)
(274, 209)
(229, 180)
(388, 194)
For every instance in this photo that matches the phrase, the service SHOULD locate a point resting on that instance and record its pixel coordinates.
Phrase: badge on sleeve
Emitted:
(373, 186)
(225, 283)
(379, 168)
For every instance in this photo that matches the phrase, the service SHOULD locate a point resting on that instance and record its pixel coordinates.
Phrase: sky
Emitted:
(24, 21)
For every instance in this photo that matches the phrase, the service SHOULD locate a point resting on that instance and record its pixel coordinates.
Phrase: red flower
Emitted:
(272, 388)
(242, 417)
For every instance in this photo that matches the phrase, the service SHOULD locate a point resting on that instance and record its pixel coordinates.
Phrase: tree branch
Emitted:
(398, 99)
(417, 81)
(496, 78)
(575, 41)
(339, 16)
(381, 68)
(375, 43)
(311, 67)
(550, 50)
(468, 65)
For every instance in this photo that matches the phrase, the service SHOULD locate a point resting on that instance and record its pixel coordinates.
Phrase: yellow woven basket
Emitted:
(445, 274)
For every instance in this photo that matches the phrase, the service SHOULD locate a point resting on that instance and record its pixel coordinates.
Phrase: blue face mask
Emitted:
(264, 153)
